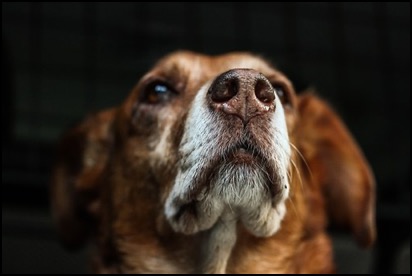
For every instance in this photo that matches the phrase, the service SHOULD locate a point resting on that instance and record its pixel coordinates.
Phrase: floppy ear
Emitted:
(81, 159)
(338, 166)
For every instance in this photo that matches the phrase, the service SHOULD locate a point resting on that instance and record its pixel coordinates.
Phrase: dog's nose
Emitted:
(244, 93)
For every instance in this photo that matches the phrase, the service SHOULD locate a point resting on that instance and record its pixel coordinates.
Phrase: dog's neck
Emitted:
(218, 244)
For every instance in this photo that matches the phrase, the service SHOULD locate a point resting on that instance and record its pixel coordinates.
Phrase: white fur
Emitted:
(242, 189)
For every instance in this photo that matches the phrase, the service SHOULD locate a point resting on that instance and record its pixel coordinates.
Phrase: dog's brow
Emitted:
(184, 73)
(176, 68)
(170, 70)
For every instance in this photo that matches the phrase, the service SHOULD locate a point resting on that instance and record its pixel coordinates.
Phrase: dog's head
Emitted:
(200, 136)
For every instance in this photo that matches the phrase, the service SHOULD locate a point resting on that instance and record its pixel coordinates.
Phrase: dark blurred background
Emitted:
(61, 61)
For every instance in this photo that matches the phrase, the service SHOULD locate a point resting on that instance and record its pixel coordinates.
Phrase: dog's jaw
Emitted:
(206, 185)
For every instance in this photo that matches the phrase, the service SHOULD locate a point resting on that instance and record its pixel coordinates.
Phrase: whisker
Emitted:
(303, 158)
(289, 174)
(294, 165)
(298, 173)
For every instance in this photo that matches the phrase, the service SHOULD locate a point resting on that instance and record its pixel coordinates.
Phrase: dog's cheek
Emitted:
(163, 146)
(146, 120)
(163, 154)
(178, 131)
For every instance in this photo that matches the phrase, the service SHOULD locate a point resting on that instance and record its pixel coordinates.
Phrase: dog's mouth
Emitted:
(243, 153)
(246, 155)
(241, 176)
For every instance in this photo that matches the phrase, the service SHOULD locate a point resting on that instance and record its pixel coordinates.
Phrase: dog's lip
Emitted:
(243, 152)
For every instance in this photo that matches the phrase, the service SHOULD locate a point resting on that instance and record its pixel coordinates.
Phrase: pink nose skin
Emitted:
(244, 93)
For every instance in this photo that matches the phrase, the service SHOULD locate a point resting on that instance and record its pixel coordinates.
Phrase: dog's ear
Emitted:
(82, 155)
(338, 166)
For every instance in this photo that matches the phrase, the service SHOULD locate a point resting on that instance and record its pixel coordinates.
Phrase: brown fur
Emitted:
(106, 186)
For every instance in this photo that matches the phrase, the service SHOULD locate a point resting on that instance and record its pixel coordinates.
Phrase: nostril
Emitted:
(233, 87)
(264, 91)
(223, 91)
(243, 93)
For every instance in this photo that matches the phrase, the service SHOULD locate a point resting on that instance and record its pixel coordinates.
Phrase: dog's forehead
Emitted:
(199, 65)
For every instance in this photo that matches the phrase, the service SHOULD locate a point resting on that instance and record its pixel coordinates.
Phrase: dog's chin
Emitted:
(241, 183)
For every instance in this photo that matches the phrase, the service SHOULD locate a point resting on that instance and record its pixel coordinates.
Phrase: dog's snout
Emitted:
(244, 93)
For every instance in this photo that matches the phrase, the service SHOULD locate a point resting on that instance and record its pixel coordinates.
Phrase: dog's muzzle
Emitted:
(235, 152)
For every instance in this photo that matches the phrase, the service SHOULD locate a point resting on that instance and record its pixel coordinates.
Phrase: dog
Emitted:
(212, 164)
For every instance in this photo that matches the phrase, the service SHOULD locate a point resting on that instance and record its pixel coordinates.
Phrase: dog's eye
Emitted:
(156, 93)
(282, 94)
